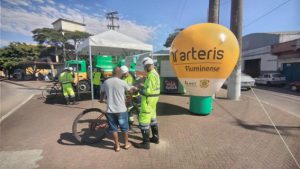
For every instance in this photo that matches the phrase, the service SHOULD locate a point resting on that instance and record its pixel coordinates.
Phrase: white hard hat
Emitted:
(147, 61)
(124, 69)
(69, 68)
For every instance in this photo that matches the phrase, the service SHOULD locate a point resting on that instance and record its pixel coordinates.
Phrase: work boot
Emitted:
(146, 142)
(72, 100)
(67, 100)
(155, 136)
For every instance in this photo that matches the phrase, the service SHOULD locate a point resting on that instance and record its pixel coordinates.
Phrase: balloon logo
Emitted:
(203, 56)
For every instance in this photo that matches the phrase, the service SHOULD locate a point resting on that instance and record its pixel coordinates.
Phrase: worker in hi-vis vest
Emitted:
(150, 95)
(129, 79)
(66, 79)
(97, 82)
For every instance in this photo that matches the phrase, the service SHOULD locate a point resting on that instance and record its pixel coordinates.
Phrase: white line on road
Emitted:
(16, 108)
(274, 106)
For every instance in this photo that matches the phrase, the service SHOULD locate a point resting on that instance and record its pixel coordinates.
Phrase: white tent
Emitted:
(111, 43)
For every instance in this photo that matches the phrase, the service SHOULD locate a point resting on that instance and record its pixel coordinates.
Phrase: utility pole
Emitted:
(213, 11)
(111, 16)
(213, 15)
(234, 85)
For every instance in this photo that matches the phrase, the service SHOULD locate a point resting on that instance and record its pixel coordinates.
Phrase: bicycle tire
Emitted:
(89, 134)
(134, 112)
(46, 93)
(49, 92)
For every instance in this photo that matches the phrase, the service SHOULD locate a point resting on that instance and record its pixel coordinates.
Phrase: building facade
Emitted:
(68, 25)
(268, 52)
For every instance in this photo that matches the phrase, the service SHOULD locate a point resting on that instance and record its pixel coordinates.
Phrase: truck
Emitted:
(107, 63)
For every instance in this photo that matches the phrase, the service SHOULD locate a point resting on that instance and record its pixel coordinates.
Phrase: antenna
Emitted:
(112, 16)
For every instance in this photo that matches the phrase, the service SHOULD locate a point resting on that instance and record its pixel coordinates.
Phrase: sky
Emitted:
(150, 21)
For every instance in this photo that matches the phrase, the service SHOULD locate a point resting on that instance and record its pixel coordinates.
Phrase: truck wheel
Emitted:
(293, 88)
(268, 83)
(83, 86)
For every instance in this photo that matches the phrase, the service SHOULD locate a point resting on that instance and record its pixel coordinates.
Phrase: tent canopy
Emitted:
(113, 43)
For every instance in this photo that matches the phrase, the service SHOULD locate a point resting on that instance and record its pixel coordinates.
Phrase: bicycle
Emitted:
(91, 125)
(52, 91)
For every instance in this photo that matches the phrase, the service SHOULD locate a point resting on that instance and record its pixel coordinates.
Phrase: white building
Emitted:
(67, 25)
(257, 55)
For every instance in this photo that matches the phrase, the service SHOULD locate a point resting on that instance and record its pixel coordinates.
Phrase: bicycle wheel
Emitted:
(90, 126)
(46, 93)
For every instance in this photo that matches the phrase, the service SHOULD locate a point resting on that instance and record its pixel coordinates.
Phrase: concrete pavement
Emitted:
(236, 135)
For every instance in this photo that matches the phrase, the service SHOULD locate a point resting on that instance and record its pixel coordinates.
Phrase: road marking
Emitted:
(16, 108)
(25, 159)
(267, 103)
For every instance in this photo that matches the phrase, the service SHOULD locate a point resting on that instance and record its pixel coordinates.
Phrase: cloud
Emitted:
(62, 6)
(51, 2)
(4, 42)
(19, 2)
(82, 6)
(24, 21)
(39, 1)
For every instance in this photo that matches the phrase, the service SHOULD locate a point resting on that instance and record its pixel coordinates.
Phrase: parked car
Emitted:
(19, 74)
(271, 79)
(295, 86)
(246, 82)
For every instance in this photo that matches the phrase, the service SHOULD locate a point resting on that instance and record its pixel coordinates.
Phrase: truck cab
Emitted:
(80, 74)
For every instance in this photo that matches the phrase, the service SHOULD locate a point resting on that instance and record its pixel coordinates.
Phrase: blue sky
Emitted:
(150, 21)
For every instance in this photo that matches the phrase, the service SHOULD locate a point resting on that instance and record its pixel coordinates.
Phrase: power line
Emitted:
(272, 10)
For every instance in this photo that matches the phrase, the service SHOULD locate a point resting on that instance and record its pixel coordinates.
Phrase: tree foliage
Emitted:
(76, 36)
(48, 36)
(171, 37)
(16, 52)
(54, 38)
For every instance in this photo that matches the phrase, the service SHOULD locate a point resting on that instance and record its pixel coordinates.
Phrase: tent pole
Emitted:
(77, 74)
(91, 76)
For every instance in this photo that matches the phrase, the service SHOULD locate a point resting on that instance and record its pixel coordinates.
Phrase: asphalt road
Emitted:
(280, 98)
(13, 95)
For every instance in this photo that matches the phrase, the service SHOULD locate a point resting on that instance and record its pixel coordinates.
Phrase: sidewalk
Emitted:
(236, 135)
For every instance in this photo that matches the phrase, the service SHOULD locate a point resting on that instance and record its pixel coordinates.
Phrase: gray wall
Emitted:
(257, 40)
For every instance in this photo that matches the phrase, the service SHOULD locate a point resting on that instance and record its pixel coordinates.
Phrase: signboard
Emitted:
(171, 85)
(203, 56)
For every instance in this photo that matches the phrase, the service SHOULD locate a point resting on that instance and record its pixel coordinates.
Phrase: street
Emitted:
(285, 101)
(13, 95)
(236, 135)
